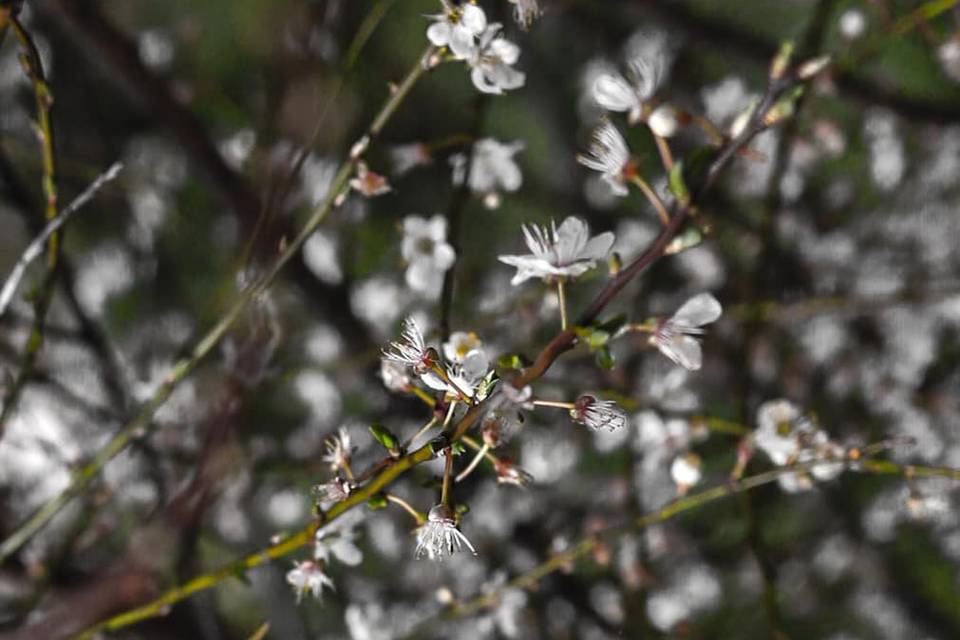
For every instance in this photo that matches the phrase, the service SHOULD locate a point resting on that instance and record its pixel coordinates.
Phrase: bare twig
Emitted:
(36, 245)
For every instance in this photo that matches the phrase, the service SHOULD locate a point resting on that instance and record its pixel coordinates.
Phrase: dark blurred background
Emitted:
(832, 251)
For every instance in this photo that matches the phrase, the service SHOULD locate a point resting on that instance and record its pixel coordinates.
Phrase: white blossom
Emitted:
(492, 169)
(439, 537)
(598, 414)
(457, 28)
(427, 253)
(460, 345)
(525, 12)
(491, 63)
(949, 55)
(404, 157)
(789, 437)
(567, 252)
(307, 576)
(410, 350)
(685, 471)
(674, 337)
(338, 449)
(780, 426)
(610, 156)
(615, 92)
(335, 539)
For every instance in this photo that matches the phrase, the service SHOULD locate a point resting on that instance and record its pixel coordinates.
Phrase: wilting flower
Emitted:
(337, 450)
(410, 350)
(457, 27)
(598, 414)
(308, 575)
(491, 63)
(610, 156)
(525, 12)
(492, 169)
(674, 336)
(405, 157)
(427, 252)
(614, 92)
(685, 471)
(368, 183)
(520, 398)
(336, 490)
(509, 473)
(567, 252)
(439, 537)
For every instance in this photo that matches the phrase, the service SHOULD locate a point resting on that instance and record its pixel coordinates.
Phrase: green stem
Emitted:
(141, 424)
(43, 97)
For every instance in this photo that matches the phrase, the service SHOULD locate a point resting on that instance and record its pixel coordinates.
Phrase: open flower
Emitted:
(439, 537)
(457, 27)
(674, 337)
(410, 350)
(492, 169)
(567, 252)
(308, 575)
(610, 156)
(598, 414)
(615, 92)
(427, 252)
(525, 12)
(491, 63)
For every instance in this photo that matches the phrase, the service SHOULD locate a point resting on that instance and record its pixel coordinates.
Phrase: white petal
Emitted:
(482, 84)
(462, 42)
(599, 246)
(439, 33)
(613, 92)
(443, 256)
(347, 553)
(473, 18)
(699, 310)
(683, 350)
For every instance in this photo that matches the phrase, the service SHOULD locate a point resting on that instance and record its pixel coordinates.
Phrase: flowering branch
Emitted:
(142, 422)
(382, 474)
(692, 501)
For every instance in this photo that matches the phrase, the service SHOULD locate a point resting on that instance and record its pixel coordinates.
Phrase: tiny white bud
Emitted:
(664, 121)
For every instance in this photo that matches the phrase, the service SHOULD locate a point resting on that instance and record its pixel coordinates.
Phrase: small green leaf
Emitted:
(386, 438)
(511, 362)
(598, 339)
(678, 185)
(605, 359)
(377, 502)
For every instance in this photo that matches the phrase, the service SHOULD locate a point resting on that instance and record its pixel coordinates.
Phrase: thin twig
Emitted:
(36, 245)
(33, 67)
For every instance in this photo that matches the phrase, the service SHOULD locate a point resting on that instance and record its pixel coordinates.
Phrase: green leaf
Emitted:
(678, 185)
(605, 359)
(385, 437)
(378, 502)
